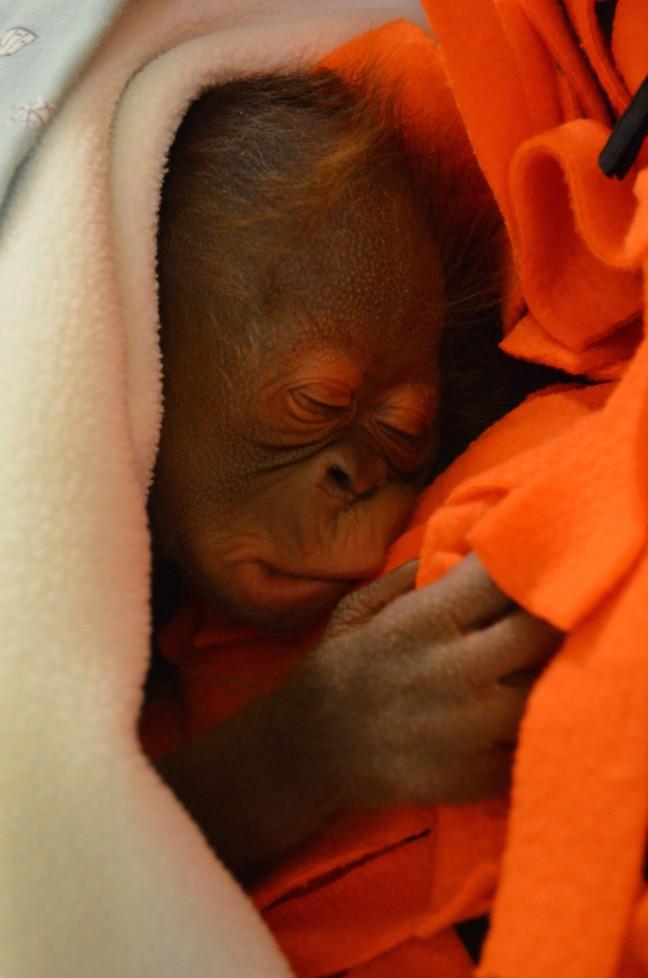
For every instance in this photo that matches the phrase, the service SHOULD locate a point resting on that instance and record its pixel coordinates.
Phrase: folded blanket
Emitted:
(103, 874)
(538, 122)
(564, 530)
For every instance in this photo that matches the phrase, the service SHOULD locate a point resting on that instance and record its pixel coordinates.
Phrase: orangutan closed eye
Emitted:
(309, 267)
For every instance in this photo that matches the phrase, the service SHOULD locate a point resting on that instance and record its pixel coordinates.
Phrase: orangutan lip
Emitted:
(269, 586)
(324, 578)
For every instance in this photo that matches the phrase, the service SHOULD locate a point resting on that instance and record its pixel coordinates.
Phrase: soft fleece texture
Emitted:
(103, 874)
(555, 500)
(563, 527)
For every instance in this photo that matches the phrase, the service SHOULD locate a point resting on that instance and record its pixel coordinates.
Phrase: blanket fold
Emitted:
(567, 222)
(565, 528)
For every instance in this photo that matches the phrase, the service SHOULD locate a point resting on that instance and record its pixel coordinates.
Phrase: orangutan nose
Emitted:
(358, 477)
(341, 478)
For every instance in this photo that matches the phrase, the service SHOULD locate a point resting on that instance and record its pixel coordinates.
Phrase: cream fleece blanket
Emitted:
(103, 874)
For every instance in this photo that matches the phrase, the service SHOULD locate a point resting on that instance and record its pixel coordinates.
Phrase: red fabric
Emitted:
(563, 527)
(566, 220)
(629, 43)
(585, 22)
(221, 668)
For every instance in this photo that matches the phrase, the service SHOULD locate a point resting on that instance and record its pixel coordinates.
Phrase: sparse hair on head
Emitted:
(262, 168)
(256, 167)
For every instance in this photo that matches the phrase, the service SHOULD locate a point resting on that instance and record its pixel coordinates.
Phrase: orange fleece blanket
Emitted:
(553, 499)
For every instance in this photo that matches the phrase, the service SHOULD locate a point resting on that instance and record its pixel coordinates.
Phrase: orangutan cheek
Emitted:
(329, 534)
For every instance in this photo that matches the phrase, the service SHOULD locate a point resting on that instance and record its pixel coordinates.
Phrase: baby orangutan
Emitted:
(307, 268)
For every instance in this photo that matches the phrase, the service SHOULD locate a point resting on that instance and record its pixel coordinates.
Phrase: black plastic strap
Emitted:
(622, 148)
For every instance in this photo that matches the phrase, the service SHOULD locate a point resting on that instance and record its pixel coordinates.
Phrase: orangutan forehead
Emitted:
(297, 219)
(342, 361)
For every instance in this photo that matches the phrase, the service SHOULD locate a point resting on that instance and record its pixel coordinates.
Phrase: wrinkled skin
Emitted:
(411, 696)
(279, 488)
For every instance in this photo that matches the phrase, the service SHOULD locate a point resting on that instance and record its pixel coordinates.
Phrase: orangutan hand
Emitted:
(421, 693)
(410, 697)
